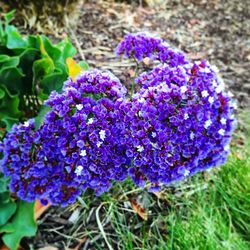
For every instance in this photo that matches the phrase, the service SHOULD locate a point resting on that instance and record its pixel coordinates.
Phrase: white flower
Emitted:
(140, 148)
(79, 106)
(99, 144)
(205, 70)
(141, 100)
(90, 121)
(227, 147)
(186, 172)
(215, 68)
(191, 135)
(214, 83)
(186, 116)
(204, 93)
(230, 94)
(102, 134)
(207, 123)
(219, 89)
(221, 131)
(223, 121)
(210, 99)
(153, 134)
(83, 153)
(26, 124)
(78, 170)
(183, 89)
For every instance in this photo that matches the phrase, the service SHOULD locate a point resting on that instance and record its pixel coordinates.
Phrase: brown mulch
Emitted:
(216, 30)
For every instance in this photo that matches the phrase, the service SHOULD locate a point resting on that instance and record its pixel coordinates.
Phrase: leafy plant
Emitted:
(30, 68)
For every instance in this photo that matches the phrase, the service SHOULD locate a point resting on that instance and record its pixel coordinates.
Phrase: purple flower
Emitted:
(141, 45)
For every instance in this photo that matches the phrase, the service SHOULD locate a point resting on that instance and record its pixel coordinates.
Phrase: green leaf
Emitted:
(24, 225)
(7, 228)
(9, 61)
(3, 183)
(4, 198)
(11, 77)
(41, 68)
(14, 38)
(53, 81)
(9, 111)
(52, 51)
(6, 211)
(9, 16)
(67, 50)
(84, 65)
(2, 93)
(39, 119)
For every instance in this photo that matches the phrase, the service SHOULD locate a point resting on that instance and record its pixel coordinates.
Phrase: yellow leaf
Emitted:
(73, 68)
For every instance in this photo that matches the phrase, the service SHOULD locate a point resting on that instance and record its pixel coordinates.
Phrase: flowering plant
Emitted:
(177, 123)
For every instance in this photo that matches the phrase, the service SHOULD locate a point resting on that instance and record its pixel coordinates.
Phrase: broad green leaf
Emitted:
(9, 61)
(3, 58)
(84, 65)
(41, 68)
(3, 183)
(4, 198)
(6, 211)
(11, 77)
(9, 111)
(53, 81)
(67, 49)
(40, 117)
(27, 58)
(2, 93)
(8, 16)
(14, 38)
(7, 228)
(23, 223)
(47, 48)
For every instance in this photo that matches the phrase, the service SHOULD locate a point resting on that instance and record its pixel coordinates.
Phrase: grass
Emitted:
(211, 211)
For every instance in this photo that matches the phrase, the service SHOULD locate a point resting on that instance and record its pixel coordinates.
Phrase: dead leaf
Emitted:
(40, 209)
(139, 209)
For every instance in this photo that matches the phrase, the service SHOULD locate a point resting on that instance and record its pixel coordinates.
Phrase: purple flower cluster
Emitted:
(77, 146)
(142, 45)
(178, 123)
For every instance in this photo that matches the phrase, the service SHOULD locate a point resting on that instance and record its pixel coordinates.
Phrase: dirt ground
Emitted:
(216, 30)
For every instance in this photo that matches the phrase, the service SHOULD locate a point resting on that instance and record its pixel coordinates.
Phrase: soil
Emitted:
(216, 30)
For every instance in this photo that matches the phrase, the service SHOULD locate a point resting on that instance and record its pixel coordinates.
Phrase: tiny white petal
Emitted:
(83, 153)
(211, 100)
(186, 172)
(204, 93)
(219, 89)
(214, 83)
(78, 170)
(192, 135)
(207, 123)
(90, 121)
(26, 124)
(183, 89)
(223, 121)
(102, 134)
(186, 116)
(227, 147)
(221, 131)
(79, 106)
(140, 148)
(215, 68)
(99, 144)
(230, 94)
(153, 134)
